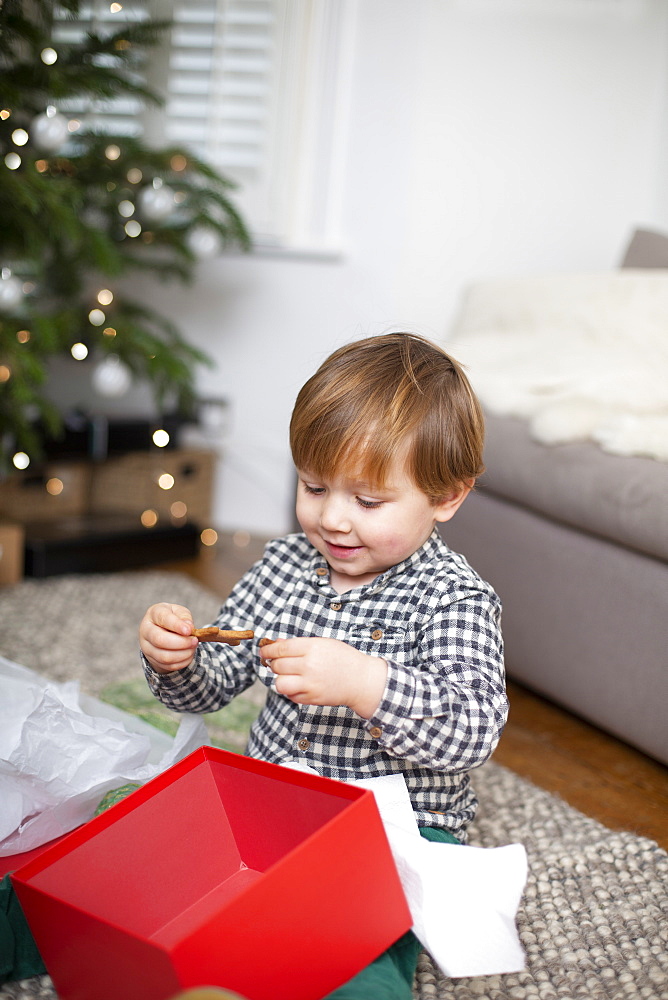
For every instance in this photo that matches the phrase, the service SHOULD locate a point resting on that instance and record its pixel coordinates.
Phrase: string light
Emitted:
(23, 336)
(55, 486)
(126, 208)
(132, 228)
(134, 175)
(73, 125)
(13, 161)
(149, 518)
(160, 438)
(209, 536)
(41, 166)
(5, 114)
(115, 7)
(105, 297)
(79, 351)
(5, 373)
(178, 162)
(112, 152)
(96, 317)
(165, 481)
(21, 460)
(20, 137)
(178, 509)
(48, 56)
(109, 331)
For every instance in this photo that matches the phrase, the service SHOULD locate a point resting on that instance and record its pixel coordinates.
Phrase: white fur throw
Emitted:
(580, 356)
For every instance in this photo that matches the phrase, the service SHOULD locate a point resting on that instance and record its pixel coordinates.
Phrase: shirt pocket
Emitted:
(377, 637)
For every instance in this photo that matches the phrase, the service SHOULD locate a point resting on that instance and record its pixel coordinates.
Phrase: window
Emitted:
(258, 88)
(122, 115)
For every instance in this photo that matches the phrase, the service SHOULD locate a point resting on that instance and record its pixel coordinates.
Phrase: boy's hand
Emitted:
(165, 637)
(318, 671)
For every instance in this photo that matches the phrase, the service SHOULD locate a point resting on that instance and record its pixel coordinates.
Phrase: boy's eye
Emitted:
(314, 490)
(368, 504)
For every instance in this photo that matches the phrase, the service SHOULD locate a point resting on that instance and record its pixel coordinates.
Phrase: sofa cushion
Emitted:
(624, 499)
(582, 357)
(646, 249)
(585, 621)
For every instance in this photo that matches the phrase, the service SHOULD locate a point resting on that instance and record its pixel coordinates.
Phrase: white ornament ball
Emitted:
(204, 243)
(155, 204)
(49, 132)
(111, 377)
(11, 292)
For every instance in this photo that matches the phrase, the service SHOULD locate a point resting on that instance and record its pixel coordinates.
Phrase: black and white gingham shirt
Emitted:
(434, 621)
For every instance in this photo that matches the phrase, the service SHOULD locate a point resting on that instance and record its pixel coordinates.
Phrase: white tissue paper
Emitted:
(62, 751)
(463, 900)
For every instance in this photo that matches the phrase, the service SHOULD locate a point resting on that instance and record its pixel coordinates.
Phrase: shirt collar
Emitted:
(430, 551)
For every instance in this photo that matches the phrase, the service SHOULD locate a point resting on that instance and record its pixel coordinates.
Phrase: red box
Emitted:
(224, 871)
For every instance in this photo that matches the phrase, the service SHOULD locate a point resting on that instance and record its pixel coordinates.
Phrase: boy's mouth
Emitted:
(342, 551)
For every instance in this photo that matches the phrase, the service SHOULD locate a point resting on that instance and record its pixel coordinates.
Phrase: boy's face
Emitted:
(362, 531)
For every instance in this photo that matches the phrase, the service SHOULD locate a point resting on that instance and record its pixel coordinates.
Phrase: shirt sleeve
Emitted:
(447, 710)
(219, 671)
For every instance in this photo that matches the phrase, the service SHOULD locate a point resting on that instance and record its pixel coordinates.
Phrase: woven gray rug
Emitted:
(594, 917)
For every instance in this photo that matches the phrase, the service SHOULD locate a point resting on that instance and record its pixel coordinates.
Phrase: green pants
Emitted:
(391, 976)
(19, 957)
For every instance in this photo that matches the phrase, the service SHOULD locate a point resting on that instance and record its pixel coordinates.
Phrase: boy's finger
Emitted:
(170, 659)
(174, 618)
(167, 638)
(285, 665)
(290, 686)
(272, 648)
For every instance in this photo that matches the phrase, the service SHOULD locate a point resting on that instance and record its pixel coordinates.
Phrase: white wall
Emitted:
(486, 137)
(541, 127)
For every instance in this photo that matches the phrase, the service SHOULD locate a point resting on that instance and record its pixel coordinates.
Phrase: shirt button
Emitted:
(335, 606)
(377, 633)
(321, 571)
(303, 744)
(376, 732)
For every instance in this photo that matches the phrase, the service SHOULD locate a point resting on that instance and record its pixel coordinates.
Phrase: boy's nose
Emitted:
(333, 515)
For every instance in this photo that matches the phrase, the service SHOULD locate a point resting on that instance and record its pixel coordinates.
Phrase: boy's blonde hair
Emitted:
(378, 398)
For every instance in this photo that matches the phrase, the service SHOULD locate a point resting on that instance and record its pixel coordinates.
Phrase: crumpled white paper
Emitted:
(62, 751)
(463, 900)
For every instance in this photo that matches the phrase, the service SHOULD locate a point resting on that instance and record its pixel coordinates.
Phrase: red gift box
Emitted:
(225, 871)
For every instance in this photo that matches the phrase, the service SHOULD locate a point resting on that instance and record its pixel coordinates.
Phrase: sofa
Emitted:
(569, 522)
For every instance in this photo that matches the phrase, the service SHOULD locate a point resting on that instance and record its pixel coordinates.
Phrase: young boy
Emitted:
(386, 652)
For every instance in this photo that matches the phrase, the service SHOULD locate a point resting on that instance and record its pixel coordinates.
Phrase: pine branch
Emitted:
(72, 223)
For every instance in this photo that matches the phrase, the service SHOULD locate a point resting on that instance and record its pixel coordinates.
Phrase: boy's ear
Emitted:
(449, 506)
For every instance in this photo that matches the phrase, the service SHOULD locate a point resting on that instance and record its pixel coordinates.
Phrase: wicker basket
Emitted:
(59, 490)
(132, 483)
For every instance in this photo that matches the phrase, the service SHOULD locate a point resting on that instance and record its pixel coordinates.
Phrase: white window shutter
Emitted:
(122, 115)
(220, 79)
(257, 88)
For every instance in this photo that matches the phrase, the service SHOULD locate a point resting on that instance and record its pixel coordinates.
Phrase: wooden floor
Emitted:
(594, 772)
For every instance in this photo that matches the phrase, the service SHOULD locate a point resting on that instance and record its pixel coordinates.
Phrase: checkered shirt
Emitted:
(433, 620)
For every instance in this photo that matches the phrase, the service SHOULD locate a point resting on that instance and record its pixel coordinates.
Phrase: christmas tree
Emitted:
(80, 208)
